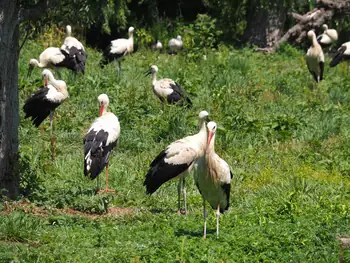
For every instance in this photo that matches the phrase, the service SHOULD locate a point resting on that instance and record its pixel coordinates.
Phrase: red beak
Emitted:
(101, 109)
(45, 82)
(210, 136)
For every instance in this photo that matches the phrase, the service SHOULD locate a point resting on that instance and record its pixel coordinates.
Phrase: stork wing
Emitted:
(170, 163)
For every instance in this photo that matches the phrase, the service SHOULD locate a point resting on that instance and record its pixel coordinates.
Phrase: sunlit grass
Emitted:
(287, 146)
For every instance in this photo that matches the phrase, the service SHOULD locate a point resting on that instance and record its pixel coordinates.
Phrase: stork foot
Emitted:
(182, 212)
(106, 190)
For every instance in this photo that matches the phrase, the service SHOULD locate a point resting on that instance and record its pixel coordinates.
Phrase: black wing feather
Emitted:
(38, 107)
(227, 190)
(178, 95)
(161, 172)
(100, 152)
(338, 57)
(108, 56)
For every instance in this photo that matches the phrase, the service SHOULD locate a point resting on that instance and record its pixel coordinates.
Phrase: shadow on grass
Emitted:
(162, 211)
(185, 232)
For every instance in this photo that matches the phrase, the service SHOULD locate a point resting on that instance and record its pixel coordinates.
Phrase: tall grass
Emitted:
(285, 138)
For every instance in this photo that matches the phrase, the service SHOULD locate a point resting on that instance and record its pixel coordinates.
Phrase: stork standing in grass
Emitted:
(315, 58)
(328, 37)
(167, 90)
(175, 44)
(343, 54)
(177, 161)
(76, 49)
(99, 141)
(212, 176)
(118, 49)
(44, 102)
(54, 58)
(157, 45)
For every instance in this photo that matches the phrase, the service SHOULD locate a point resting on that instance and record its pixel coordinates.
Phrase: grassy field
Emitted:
(286, 139)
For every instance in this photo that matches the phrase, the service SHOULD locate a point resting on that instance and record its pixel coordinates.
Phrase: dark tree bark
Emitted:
(9, 116)
(11, 15)
(325, 11)
(264, 24)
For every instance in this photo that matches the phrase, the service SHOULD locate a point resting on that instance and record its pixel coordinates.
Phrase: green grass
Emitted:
(286, 139)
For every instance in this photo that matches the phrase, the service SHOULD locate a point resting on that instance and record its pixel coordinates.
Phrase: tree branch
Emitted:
(34, 12)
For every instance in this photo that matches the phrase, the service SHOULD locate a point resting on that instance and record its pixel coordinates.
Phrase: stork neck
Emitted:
(154, 78)
(314, 41)
(211, 146)
(105, 107)
(37, 63)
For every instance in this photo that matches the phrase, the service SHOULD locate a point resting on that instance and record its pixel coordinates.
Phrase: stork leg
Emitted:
(205, 220)
(52, 138)
(106, 188)
(217, 220)
(184, 193)
(179, 197)
(119, 69)
(98, 183)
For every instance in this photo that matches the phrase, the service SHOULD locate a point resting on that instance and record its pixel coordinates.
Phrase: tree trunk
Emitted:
(325, 11)
(265, 24)
(9, 114)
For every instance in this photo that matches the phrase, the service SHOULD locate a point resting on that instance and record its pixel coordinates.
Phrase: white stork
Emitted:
(342, 54)
(327, 37)
(75, 48)
(177, 161)
(167, 89)
(118, 49)
(99, 141)
(212, 176)
(315, 58)
(45, 100)
(175, 44)
(157, 45)
(54, 57)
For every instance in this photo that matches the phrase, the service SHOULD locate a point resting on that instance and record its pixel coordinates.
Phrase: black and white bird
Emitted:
(315, 58)
(157, 45)
(54, 57)
(75, 49)
(177, 161)
(70, 41)
(175, 44)
(328, 36)
(212, 176)
(99, 141)
(45, 100)
(118, 49)
(343, 54)
(167, 90)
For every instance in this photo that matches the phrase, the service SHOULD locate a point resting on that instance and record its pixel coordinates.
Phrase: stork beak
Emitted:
(210, 136)
(101, 109)
(30, 69)
(148, 72)
(45, 82)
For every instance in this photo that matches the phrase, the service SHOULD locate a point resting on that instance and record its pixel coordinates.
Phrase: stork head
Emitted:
(203, 117)
(153, 69)
(68, 30)
(32, 64)
(178, 37)
(324, 27)
(311, 35)
(46, 74)
(211, 131)
(131, 30)
(103, 101)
